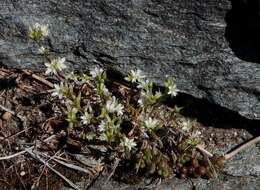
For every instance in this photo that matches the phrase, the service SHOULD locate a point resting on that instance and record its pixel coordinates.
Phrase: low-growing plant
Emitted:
(133, 127)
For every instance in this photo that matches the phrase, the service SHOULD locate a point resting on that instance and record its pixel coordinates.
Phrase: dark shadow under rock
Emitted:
(210, 114)
(243, 29)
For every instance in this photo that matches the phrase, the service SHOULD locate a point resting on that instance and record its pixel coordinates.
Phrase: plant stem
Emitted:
(241, 147)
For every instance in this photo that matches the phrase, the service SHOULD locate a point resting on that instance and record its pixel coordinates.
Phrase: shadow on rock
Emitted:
(210, 114)
(243, 29)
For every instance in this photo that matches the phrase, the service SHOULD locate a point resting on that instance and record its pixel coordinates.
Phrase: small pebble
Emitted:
(22, 173)
(6, 116)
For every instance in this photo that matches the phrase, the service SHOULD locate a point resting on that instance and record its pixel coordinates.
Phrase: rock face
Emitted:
(211, 47)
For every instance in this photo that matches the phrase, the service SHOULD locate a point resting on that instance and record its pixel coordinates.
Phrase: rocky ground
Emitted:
(28, 100)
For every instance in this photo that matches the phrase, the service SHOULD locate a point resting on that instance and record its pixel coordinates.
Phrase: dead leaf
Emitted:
(7, 116)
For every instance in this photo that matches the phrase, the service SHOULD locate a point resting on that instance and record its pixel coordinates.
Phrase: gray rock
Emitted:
(211, 47)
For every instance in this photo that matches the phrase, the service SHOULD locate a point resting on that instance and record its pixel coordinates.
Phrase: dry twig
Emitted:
(241, 147)
(71, 166)
(6, 109)
(204, 151)
(37, 157)
(24, 151)
(113, 170)
(42, 80)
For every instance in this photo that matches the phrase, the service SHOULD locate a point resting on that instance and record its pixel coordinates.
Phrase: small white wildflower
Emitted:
(134, 76)
(58, 90)
(55, 66)
(128, 143)
(86, 118)
(151, 124)
(102, 126)
(42, 50)
(38, 31)
(96, 72)
(171, 86)
(141, 102)
(146, 85)
(186, 125)
(172, 90)
(148, 98)
(196, 134)
(42, 28)
(112, 106)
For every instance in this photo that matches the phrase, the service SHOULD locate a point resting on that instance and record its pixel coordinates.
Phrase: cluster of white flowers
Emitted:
(37, 32)
(55, 65)
(112, 106)
(135, 76)
(96, 72)
(148, 97)
(128, 143)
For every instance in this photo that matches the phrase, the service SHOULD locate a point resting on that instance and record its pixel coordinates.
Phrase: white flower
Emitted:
(151, 124)
(102, 126)
(43, 28)
(134, 76)
(42, 50)
(148, 98)
(128, 143)
(86, 118)
(186, 125)
(40, 28)
(112, 106)
(141, 102)
(171, 86)
(146, 85)
(172, 90)
(58, 90)
(55, 65)
(196, 134)
(96, 72)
